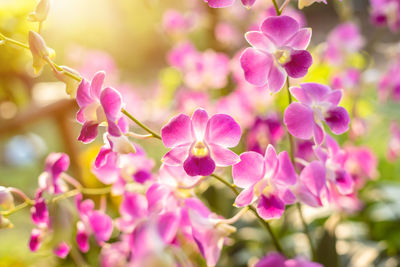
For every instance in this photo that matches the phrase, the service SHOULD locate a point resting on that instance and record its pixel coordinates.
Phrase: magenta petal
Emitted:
(276, 78)
(273, 259)
(271, 161)
(286, 173)
(280, 29)
(338, 120)
(177, 131)
(83, 94)
(176, 156)
(80, 115)
(111, 101)
(334, 97)
(101, 158)
(35, 242)
(299, 120)
(259, 41)
(287, 196)
(199, 123)
(307, 197)
(249, 170)
(223, 130)
(316, 91)
(246, 197)
(300, 61)
(270, 207)
(220, 3)
(61, 250)
(168, 224)
(113, 128)
(97, 83)
(133, 205)
(319, 134)
(256, 66)
(248, 3)
(82, 238)
(344, 182)
(57, 163)
(88, 132)
(314, 177)
(223, 157)
(300, 39)
(300, 94)
(102, 226)
(203, 166)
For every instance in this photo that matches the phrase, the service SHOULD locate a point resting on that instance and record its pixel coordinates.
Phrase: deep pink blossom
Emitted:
(274, 259)
(318, 104)
(200, 143)
(264, 131)
(389, 84)
(393, 152)
(50, 180)
(36, 239)
(119, 169)
(386, 13)
(343, 40)
(39, 211)
(209, 231)
(61, 250)
(92, 222)
(311, 186)
(278, 51)
(349, 80)
(265, 180)
(226, 3)
(98, 106)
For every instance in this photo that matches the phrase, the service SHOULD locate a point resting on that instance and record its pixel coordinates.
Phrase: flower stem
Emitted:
(278, 11)
(306, 231)
(144, 127)
(252, 209)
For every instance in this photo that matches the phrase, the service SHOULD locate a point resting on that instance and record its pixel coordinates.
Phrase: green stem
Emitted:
(307, 232)
(68, 194)
(252, 209)
(278, 11)
(144, 127)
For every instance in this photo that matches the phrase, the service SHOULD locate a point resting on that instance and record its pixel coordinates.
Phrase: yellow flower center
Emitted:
(282, 56)
(200, 149)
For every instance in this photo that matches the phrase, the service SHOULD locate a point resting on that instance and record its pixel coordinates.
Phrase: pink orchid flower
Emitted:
(49, 180)
(389, 84)
(209, 230)
(386, 12)
(318, 103)
(311, 186)
(264, 131)
(265, 180)
(334, 159)
(35, 240)
(200, 143)
(61, 250)
(343, 40)
(97, 107)
(226, 3)
(39, 211)
(393, 152)
(278, 51)
(92, 222)
(274, 259)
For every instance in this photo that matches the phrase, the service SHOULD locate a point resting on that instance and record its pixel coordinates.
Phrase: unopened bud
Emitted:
(6, 198)
(5, 223)
(41, 11)
(248, 3)
(40, 52)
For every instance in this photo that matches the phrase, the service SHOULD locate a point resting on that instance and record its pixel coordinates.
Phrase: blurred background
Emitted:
(128, 39)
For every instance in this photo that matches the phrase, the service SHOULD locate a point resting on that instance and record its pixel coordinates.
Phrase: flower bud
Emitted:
(5, 223)
(71, 84)
(248, 3)
(41, 11)
(6, 198)
(40, 52)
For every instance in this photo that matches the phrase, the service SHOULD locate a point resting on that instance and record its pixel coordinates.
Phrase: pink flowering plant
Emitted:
(242, 136)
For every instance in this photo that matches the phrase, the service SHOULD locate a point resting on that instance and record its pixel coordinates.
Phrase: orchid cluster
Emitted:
(230, 118)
